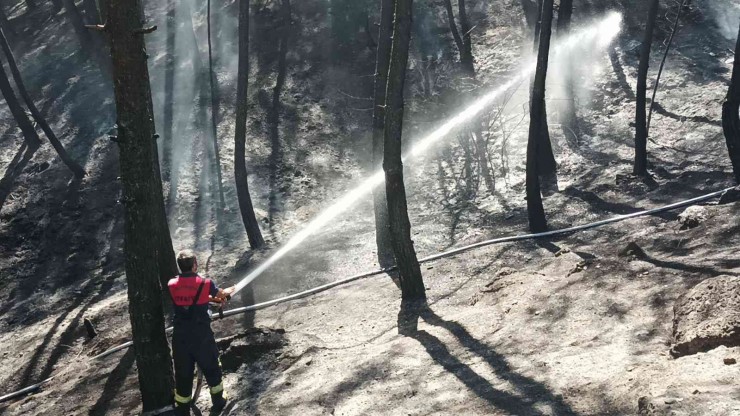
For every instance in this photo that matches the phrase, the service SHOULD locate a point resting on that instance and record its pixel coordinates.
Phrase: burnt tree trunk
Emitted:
(453, 27)
(380, 204)
(568, 117)
(142, 198)
(546, 163)
(535, 210)
(465, 47)
(78, 23)
(412, 285)
(462, 40)
(165, 251)
(662, 62)
(529, 7)
(92, 43)
(169, 91)
(481, 151)
(214, 112)
(75, 167)
(537, 26)
(20, 116)
(183, 9)
(730, 117)
(565, 15)
(240, 137)
(641, 132)
(466, 54)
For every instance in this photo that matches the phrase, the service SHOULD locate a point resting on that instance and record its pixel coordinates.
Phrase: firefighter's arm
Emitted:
(223, 295)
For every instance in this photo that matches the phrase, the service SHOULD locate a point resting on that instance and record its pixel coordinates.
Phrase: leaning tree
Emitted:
(412, 285)
(535, 209)
(75, 167)
(20, 116)
(240, 136)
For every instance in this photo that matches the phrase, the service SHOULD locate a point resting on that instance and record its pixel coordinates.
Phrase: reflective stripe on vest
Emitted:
(183, 290)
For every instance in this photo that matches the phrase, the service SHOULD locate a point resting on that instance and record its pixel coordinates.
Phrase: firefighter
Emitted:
(192, 339)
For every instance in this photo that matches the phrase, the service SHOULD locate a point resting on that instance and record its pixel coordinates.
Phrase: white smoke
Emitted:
(726, 14)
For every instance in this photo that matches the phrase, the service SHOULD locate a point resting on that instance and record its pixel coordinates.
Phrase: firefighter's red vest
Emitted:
(183, 290)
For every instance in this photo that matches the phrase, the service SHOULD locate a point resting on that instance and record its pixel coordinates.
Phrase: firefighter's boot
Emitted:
(219, 402)
(182, 409)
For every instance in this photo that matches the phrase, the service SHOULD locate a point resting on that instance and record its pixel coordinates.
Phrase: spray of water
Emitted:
(599, 34)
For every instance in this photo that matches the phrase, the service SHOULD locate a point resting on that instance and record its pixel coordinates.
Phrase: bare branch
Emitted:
(145, 30)
(97, 28)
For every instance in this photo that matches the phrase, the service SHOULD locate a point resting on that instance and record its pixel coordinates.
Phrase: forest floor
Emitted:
(555, 327)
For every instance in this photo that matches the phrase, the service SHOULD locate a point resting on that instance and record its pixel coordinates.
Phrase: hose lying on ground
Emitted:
(453, 252)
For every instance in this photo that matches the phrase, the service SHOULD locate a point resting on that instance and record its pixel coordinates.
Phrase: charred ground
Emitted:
(560, 327)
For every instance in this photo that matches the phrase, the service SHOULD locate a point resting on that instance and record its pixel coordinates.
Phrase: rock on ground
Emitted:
(707, 316)
(692, 216)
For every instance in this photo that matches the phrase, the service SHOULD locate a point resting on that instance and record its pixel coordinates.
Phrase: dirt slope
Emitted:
(511, 329)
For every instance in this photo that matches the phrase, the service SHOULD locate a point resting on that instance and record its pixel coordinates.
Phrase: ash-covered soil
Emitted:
(558, 327)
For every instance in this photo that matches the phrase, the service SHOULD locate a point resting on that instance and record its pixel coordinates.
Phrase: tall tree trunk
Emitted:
(465, 47)
(463, 41)
(169, 91)
(143, 201)
(214, 111)
(382, 230)
(92, 43)
(412, 285)
(481, 150)
(546, 164)
(84, 35)
(565, 15)
(535, 210)
(453, 27)
(466, 55)
(568, 117)
(200, 75)
(662, 62)
(531, 12)
(641, 132)
(730, 117)
(537, 27)
(78, 171)
(165, 250)
(20, 116)
(240, 137)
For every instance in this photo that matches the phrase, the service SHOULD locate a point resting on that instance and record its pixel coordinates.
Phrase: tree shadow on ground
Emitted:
(113, 384)
(14, 169)
(274, 28)
(533, 395)
(659, 109)
(362, 376)
(620, 74)
(598, 203)
(684, 267)
(67, 337)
